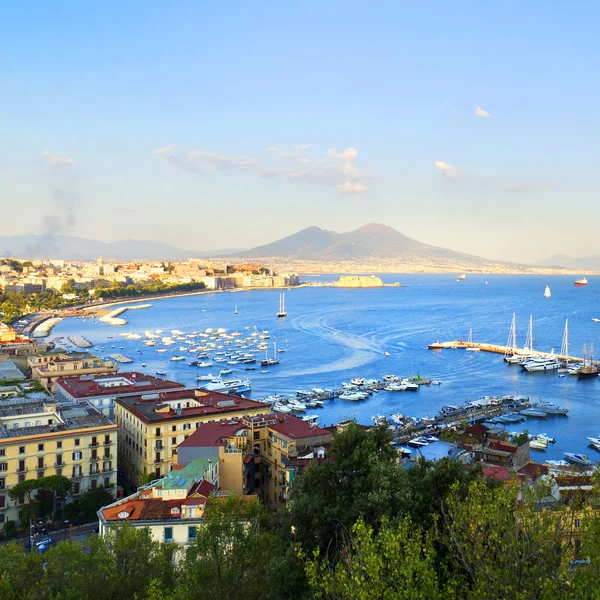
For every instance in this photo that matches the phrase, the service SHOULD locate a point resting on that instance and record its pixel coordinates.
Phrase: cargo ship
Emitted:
(581, 282)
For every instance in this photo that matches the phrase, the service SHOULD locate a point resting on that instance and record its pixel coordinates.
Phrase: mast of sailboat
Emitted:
(564, 349)
(470, 340)
(584, 353)
(511, 341)
(531, 333)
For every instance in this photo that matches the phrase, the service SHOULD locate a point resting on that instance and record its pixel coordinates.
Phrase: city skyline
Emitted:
(234, 126)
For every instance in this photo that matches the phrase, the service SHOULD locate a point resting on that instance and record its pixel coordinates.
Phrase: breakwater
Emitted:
(113, 317)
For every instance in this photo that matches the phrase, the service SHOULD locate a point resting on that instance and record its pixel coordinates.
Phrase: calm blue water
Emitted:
(332, 335)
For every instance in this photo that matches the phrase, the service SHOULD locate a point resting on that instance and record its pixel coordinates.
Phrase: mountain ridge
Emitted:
(373, 240)
(67, 247)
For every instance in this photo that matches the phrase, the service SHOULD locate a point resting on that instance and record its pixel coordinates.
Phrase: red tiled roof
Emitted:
(499, 473)
(295, 428)
(215, 433)
(533, 470)
(87, 387)
(202, 488)
(502, 447)
(477, 429)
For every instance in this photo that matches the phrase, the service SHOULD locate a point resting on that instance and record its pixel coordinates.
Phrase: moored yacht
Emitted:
(541, 363)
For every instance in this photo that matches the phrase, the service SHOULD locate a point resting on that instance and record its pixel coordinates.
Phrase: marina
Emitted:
(334, 336)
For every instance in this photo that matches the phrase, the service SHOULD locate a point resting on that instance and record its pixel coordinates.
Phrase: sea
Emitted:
(333, 334)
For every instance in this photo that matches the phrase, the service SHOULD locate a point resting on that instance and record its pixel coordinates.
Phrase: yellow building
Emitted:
(257, 454)
(151, 426)
(38, 440)
(47, 367)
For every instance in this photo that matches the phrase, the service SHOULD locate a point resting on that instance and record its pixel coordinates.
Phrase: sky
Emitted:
(468, 125)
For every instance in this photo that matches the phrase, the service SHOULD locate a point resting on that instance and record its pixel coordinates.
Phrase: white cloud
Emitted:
(302, 146)
(336, 170)
(480, 112)
(55, 160)
(450, 171)
(351, 188)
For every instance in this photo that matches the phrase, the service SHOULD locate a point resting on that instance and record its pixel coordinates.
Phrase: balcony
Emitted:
(95, 458)
(59, 464)
(94, 445)
(106, 457)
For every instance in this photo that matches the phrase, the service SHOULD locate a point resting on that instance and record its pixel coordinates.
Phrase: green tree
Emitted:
(20, 573)
(27, 489)
(361, 478)
(396, 563)
(93, 500)
(230, 557)
(59, 487)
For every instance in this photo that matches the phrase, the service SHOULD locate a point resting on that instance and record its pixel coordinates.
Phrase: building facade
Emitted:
(151, 426)
(48, 367)
(38, 440)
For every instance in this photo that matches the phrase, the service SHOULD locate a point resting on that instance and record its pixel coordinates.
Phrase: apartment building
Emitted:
(259, 454)
(171, 508)
(38, 440)
(151, 426)
(48, 367)
(101, 391)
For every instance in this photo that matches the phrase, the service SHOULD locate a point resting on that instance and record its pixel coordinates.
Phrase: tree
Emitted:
(506, 547)
(26, 489)
(361, 478)
(9, 310)
(59, 487)
(20, 573)
(93, 500)
(396, 563)
(230, 557)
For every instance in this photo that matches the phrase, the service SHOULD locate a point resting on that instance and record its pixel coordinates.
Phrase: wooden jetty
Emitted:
(498, 349)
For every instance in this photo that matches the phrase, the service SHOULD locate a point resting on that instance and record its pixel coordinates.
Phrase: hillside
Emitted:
(369, 241)
(74, 248)
(585, 263)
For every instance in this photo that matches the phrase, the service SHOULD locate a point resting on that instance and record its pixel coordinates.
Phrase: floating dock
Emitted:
(497, 349)
(121, 358)
(80, 341)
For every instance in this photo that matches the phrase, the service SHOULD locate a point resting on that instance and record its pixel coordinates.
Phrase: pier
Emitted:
(498, 349)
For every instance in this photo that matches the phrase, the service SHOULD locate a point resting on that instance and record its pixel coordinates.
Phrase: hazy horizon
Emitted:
(471, 126)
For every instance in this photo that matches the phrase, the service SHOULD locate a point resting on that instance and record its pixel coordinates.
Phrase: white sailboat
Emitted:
(282, 312)
(547, 292)
(564, 349)
(236, 310)
(511, 344)
(470, 347)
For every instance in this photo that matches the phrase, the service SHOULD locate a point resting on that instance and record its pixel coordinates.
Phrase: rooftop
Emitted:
(91, 386)
(215, 433)
(29, 419)
(295, 428)
(185, 403)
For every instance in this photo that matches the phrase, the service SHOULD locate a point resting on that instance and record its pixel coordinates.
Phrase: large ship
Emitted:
(581, 282)
(461, 277)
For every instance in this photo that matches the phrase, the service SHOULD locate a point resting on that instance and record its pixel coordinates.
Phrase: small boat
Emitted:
(208, 377)
(143, 364)
(547, 292)
(537, 444)
(160, 372)
(596, 320)
(177, 358)
(278, 407)
(436, 382)
(461, 277)
(265, 371)
(387, 353)
(578, 459)
(435, 346)
(225, 372)
(470, 346)
(310, 418)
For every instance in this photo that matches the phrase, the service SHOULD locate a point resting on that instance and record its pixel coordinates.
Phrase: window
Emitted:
(2, 483)
(257, 435)
(158, 431)
(187, 426)
(173, 440)
(59, 460)
(76, 487)
(21, 478)
(21, 465)
(94, 441)
(76, 455)
(40, 462)
(40, 447)
(59, 444)
(2, 500)
(107, 439)
(191, 534)
(40, 474)
(577, 523)
(21, 449)
(2, 452)
(174, 428)
(123, 514)
(77, 441)
(168, 534)
(1, 518)
(157, 457)
(107, 482)
(3, 467)
(94, 483)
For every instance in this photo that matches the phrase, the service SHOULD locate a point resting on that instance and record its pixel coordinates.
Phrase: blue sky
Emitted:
(235, 123)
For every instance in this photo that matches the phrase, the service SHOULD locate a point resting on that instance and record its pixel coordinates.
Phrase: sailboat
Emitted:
(282, 312)
(521, 356)
(236, 310)
(564, 349)
(269, 362)
(470, 347)
(590, 370)
(512, 350)
(547, 292)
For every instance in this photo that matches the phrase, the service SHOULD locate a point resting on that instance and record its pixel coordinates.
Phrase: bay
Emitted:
(332, 335)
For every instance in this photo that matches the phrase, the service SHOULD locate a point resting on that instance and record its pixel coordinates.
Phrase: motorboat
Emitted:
(357, 381)
(532, 412)
(578, 459)
(282, 408)
(160, 372)
(436, 382)
(177, 358)
(208, 377)
(395, 387)
(551, 409)
(205, 364)
(418, 442)
(537, 444)
(541, 364)
(225, 372)
(310, 418)
(353, 396)
(435, 346)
